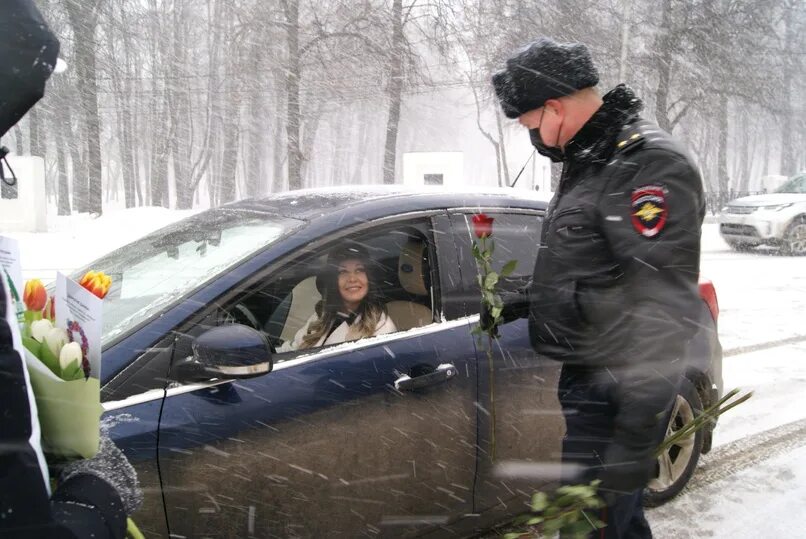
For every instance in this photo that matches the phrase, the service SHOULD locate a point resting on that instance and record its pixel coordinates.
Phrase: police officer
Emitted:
(614, 288)
(95, 495)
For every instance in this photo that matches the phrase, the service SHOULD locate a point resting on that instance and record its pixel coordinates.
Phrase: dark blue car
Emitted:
(409, 433)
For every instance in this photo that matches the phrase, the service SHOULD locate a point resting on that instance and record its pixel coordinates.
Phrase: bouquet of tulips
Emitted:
(65, 381)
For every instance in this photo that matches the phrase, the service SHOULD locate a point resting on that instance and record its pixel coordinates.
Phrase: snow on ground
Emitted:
(762, 295)
(753, 483)
(76, 240)
(760, 501)
(777, 377)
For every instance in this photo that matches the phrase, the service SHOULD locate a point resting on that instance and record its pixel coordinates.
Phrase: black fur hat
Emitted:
(540, 71)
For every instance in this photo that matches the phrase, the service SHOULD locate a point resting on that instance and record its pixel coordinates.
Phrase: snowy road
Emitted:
(752, 483)
(762, 295)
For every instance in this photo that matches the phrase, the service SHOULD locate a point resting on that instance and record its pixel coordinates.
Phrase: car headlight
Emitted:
(777, 207)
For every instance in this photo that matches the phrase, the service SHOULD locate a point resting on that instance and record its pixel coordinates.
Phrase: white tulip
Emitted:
(71, 352)
(40, 329)
(55, 339)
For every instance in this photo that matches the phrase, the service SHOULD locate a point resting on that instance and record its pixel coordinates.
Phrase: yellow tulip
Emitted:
(96, 282)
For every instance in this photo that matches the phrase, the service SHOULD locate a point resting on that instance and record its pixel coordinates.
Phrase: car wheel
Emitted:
(795, 238)
(676, 465)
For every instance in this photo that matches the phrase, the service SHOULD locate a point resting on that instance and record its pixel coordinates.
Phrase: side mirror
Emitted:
(233, 351)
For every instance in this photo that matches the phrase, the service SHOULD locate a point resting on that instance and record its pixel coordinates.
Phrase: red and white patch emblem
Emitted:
(648, 209)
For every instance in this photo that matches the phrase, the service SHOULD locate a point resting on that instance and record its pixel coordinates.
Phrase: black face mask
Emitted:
(555, 154)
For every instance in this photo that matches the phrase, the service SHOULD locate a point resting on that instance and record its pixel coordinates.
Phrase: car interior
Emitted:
(401, 269)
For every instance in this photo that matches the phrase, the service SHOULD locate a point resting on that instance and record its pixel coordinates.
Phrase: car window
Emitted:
(516, 236)
(291, 303)
(794, 185)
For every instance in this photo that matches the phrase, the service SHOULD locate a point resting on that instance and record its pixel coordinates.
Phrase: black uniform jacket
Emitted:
(615, 286)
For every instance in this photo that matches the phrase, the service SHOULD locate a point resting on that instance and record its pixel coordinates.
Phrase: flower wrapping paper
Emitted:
(69, 412)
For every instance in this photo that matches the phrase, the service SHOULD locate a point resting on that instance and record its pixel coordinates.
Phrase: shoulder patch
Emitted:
(649, 210)
(628, 139)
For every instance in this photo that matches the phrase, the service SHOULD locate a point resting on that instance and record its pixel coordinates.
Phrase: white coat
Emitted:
(342, 333)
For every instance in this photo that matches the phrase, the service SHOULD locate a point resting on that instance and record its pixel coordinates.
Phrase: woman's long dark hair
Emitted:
(331, 308)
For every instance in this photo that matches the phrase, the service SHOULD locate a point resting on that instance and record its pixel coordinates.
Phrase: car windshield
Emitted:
(162, 267)
(794, 185)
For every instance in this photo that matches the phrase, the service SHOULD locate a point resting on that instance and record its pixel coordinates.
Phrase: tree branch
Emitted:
(679, 115)
(408, 12)
(332, 35)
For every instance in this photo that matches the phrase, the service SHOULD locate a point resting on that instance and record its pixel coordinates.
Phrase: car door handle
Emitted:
(443, 373)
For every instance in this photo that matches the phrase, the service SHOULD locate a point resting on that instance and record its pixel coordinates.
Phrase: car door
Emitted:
(521, 424)
(325, 445)
(132, 402)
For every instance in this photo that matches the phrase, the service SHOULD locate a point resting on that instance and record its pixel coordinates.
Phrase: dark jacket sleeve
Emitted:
(82, 507)
(515, 295)
(661, 273)
(23, 497)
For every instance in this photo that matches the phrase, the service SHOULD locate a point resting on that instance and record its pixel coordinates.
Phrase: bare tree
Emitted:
(395, 90)
(794, 48)
(172, 100)
(83, 17)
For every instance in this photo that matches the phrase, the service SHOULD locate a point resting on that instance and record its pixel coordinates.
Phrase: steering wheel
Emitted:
(241, 314)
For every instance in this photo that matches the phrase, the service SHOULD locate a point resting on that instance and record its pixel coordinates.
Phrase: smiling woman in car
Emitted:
(350, 308)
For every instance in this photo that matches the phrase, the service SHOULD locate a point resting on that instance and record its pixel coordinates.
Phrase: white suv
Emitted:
(777, 218)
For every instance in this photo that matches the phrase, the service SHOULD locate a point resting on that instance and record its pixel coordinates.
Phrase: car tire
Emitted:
(795, 238)
(677, 464)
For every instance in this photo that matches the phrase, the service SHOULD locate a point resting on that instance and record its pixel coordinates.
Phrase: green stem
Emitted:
(492, 395)
(701, 420)
(32, 316)
(132, 531)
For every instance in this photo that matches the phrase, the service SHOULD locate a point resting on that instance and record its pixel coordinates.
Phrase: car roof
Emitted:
(309, 204)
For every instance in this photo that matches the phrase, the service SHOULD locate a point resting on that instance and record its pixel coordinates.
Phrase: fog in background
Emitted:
(195, 103)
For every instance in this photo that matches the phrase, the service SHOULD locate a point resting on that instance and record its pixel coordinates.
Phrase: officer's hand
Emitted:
(623, 479)
(112, 466)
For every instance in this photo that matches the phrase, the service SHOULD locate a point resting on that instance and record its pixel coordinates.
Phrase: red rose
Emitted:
(482, 226)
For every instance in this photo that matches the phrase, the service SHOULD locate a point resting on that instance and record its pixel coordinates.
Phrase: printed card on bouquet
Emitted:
(80, 313)
(10, 268)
